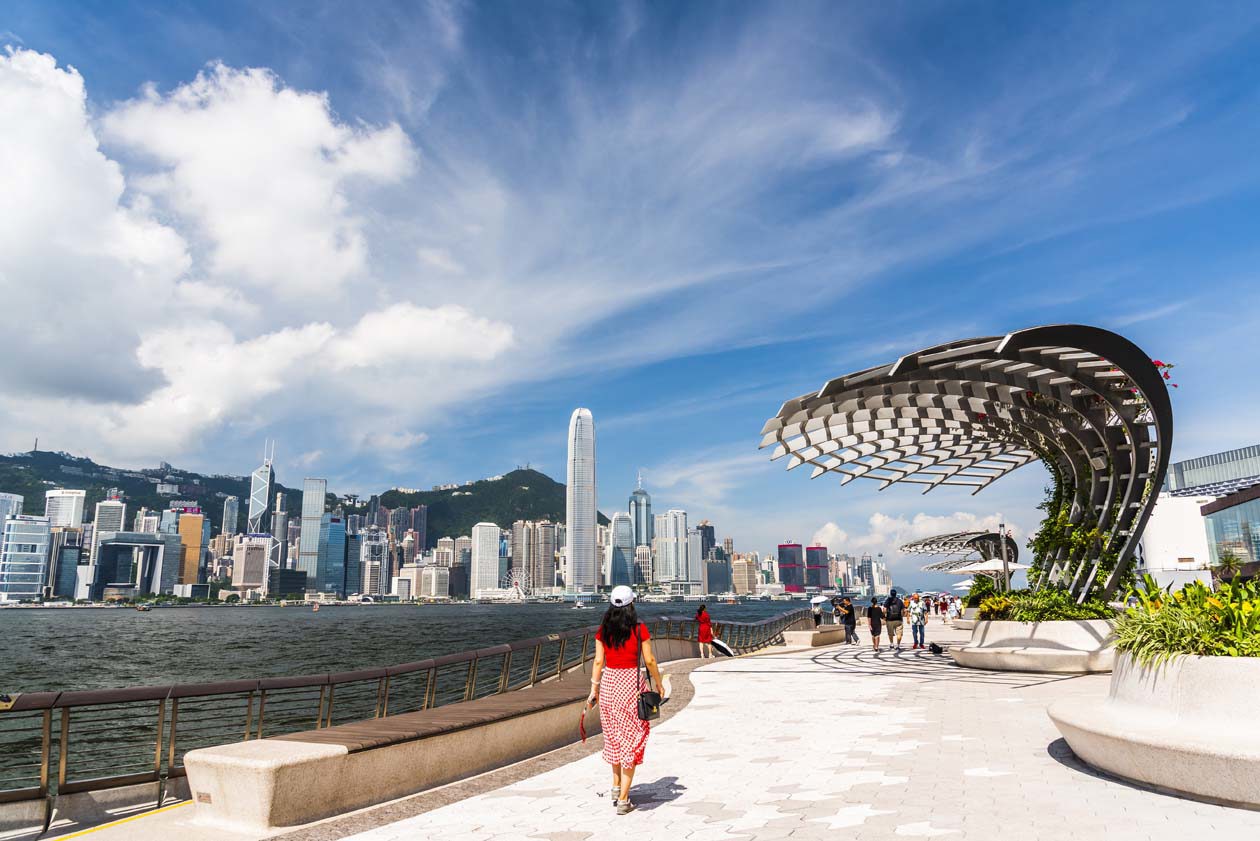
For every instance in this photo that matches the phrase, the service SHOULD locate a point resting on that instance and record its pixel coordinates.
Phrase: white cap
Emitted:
(621, 596)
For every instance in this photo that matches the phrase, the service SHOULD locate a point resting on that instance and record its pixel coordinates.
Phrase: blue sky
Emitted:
(406, 240)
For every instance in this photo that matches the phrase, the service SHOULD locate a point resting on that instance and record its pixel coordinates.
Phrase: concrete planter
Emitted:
(1071, 646)
(1182, 727)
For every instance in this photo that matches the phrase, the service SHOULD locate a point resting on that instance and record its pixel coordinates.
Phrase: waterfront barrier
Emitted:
(83, 757)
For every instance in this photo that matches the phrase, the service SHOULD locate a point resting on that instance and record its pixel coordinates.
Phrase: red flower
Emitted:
(1157, 363)
(1167, 375)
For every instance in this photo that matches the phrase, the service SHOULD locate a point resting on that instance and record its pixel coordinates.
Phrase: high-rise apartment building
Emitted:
(463, 551)
(313, 493)
(484, 568)
(621, 550)
(708, 539)
(260, 483)
(250, 561)
(643, 569)
(435, 582)
(147, 521)
(581, 515)
(420, 525)
(373, 561)
(24, 557)
(533, 551)
(331, 564)
(64, 507)
(231, 515)
(816, 572)
(641, 515)
(444, 554)
(744, 575)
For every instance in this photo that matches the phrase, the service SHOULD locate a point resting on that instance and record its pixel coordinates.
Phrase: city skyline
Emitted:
(674, 239)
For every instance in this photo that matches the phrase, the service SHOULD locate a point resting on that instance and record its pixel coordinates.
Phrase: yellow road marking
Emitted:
(120, 821)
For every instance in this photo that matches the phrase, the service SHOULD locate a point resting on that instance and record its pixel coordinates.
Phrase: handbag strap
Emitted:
(642, 665)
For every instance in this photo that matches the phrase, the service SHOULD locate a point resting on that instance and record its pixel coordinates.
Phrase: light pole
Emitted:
(1006, 570)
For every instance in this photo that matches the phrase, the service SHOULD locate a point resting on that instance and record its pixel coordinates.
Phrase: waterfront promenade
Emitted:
(813, 744)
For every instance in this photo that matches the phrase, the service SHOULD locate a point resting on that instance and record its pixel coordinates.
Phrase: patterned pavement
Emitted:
(841, 743)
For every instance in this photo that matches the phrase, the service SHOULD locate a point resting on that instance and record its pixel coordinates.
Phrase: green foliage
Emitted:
(1228, 566)
(1194, 620)
(1049, 604)
(995, 608)
(982, 586)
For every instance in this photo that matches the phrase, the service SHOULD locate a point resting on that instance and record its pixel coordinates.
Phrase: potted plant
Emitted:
(1188, 665)
(1043, 630)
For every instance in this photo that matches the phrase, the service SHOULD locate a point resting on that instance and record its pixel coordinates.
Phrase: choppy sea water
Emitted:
(67, 649)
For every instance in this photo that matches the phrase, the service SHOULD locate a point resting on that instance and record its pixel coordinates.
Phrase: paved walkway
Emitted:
(843, 743)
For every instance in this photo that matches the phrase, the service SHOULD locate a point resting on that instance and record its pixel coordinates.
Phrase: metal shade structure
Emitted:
(1086, 402)
(962, 546)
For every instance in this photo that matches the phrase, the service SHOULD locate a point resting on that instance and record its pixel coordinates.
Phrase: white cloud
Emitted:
(393, 441)
(440, 259)
(405, 334)
(262, 172)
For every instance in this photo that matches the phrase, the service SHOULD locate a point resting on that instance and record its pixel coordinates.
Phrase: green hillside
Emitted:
(521, 494)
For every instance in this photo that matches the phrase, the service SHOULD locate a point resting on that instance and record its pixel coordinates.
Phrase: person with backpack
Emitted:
(849, 619)
(616, 684)
(894, 611)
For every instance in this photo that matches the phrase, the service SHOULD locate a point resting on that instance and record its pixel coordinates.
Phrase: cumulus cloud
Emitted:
(261, 172)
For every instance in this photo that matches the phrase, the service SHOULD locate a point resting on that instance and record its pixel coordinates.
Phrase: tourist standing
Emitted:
(849, 618)
(615, 685)
(918, 621)
(894, 610)
(874, 618)
(817, 609)
(951, 611)
(705, 632)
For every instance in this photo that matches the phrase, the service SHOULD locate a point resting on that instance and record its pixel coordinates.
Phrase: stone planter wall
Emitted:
(1186, 726)
(1070, 646)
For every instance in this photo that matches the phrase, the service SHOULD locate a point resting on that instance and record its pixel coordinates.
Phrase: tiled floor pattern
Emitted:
(842, 743)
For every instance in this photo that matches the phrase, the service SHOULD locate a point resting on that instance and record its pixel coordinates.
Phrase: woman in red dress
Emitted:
(706, 632)
(615, 684)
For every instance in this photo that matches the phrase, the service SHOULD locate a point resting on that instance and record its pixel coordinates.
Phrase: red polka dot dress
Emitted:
(625, 734)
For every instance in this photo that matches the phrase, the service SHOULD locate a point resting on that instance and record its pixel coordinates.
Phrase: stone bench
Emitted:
(823, 635)
(1181, 727)
(284, 781)
(1072, 647)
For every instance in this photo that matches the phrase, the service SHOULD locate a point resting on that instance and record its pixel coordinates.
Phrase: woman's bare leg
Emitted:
(617, 777)
(627, 777)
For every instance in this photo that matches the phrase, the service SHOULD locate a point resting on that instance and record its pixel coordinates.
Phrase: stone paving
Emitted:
(842, 743)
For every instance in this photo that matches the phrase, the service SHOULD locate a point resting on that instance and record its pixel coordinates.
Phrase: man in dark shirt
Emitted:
(893, 609)
(849, 618)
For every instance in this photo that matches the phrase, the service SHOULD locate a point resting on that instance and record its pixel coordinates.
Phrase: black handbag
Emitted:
(649, 700)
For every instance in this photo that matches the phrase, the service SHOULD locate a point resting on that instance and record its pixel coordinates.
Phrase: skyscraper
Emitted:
(231, 513)
(313, 493)
(641, 515)
(373, 562)
(670, 544)
(534, 552)
(191, 529)
(10, 506)
(621, 570)
(64, 507)
(420, 525)
(791, 568)
(111, 514)
(331, 561)
(484, 571)
(24, 556)
(279, 556)
(260, 496)
(581, 513)
(816, 572)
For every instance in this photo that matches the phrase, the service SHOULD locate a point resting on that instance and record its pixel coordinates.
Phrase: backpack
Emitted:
(894, 607)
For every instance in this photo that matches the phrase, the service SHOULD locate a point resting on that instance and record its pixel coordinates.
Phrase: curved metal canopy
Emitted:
(1085, 401)
(963, 546)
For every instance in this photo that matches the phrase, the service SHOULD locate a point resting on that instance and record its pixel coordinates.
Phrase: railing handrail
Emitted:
(263, 696)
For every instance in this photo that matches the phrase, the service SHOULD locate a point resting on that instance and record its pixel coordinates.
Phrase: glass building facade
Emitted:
(24, 547)
(1219, 473)
(816, 567)
(791, 568)
(1233, 525)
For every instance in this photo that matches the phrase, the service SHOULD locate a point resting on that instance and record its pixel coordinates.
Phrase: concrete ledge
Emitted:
(1180, 727)
(814, 637)
(260, 785)
(963, 624)
(1075, 646)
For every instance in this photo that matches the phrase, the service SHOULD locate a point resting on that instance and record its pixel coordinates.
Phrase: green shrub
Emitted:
(982, 586)
(1194, 620)
(1048, 604)
(995, 608)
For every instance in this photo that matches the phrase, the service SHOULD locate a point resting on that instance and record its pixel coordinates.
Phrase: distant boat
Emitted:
(315, 608)
(143, 607)
(580, 606)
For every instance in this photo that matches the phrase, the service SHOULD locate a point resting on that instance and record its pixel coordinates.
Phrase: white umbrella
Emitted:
(991, 566)
(964, 585)
(819, 599)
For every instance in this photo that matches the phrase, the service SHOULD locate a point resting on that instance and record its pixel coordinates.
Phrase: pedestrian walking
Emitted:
(616, 682)
(817, 609)
(952, 610)
(849, 618)
(894, 610)
(705, 632)
(874, 618)
(918, 621)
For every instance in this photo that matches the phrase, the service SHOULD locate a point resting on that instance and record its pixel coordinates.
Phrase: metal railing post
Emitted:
(560, 659)
(249, 717)
(430, 689)
(470, 686)
(533, 670)
(586, 641)
(505, 676)
(382, 697)
(170, 744)
(319, 714)
(63, 748)
(262, 704)
(45, 752)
